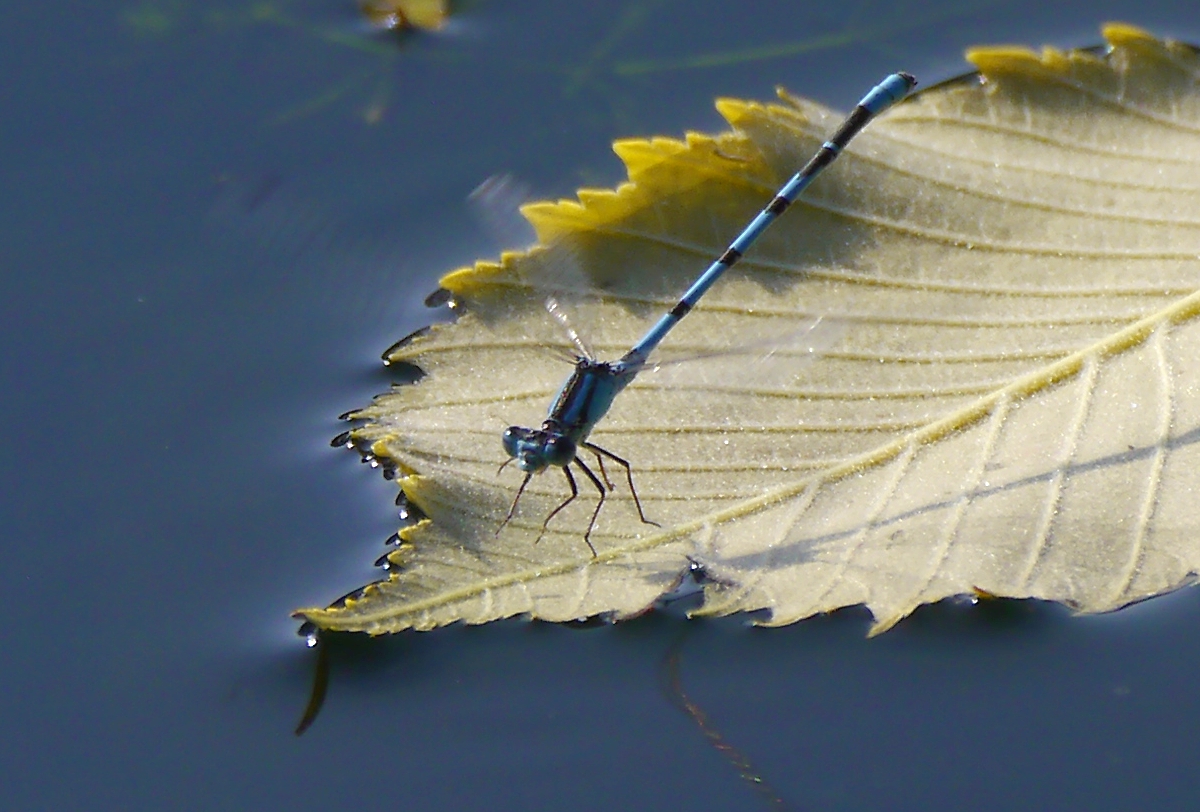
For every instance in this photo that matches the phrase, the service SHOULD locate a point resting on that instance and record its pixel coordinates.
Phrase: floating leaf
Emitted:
(1013, 408)
(428, 14)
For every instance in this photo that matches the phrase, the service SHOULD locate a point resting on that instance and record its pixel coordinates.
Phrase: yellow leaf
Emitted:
(427, 14)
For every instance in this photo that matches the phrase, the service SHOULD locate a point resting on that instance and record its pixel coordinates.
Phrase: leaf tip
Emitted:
(732, 109)
(885, 623)
(994, 59)
(463, 279)
(1124, 34)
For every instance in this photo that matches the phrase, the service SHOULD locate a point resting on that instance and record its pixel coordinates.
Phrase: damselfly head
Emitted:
(537, 449)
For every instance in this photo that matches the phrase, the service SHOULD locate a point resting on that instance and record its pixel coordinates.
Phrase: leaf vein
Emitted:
(1086, 380)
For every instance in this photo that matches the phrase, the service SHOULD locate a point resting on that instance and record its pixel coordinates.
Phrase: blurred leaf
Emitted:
(153, 19)
(1014, 409)
(428, 14)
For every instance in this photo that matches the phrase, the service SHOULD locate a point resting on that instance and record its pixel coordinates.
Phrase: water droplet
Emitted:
(440, 297)
(408, 339)
(311, 634)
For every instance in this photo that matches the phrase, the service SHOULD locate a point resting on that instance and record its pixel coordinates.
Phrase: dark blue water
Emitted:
(216, 215)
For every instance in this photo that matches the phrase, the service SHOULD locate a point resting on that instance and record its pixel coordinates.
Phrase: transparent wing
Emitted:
(775, 353)
(557, 273)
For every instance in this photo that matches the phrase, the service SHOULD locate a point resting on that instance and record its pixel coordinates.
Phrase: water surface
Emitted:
(217, 215)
